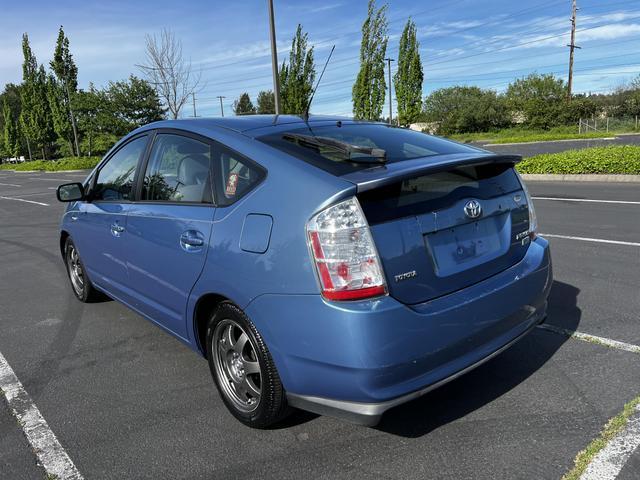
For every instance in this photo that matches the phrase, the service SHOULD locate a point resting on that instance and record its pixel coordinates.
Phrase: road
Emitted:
(536, 148)
(126, 400)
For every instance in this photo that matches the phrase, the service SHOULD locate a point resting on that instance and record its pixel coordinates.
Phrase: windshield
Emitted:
(398, 143)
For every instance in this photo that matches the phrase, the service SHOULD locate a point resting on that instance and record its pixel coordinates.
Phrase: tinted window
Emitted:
(398, 143)
(115, 178)
(178, 170)
(428, 193)
(234, 175)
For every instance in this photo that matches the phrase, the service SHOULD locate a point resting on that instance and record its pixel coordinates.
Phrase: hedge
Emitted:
(622, 159)
(68, 163)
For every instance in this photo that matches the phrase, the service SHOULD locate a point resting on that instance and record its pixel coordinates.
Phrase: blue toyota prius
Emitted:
(332, 265)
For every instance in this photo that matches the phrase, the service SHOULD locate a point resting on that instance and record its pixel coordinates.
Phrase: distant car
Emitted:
(337, 266)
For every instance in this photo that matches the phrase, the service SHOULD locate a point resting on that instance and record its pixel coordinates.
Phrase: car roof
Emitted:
(245, 123)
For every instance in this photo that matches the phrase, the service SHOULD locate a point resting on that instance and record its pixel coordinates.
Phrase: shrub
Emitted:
(69, 163)
(623, 159)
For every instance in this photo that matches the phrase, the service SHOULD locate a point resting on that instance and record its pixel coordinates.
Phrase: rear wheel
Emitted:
(243, 370)
(80, 283)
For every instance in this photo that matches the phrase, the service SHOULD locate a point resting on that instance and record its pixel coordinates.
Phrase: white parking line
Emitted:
(609, 461)
(627, 347)
(559, 199)
(26, 201)
(31, 194)
(50, 453)
(587, 239)
(10, 185)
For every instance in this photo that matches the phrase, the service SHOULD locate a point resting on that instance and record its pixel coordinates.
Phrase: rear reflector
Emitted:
(344, 254)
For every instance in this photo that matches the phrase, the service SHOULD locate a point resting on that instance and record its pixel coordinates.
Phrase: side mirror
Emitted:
(70, 192)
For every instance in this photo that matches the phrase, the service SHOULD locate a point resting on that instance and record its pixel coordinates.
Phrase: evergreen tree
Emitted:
(296, 77)
(66, 72)
(266, 102)
(408, 79)
(369, 89)
(11, 142)
(243, 105)
(35, 117)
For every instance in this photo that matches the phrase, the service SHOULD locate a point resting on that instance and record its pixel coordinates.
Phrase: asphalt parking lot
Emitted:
(126, 400)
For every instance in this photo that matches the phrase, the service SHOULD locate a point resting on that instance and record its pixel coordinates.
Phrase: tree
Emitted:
(95, 121)
(66, 73)
(11, 97)
(108, 114)
(296, 77)
(35, 117)
(408, 79)
(168, 72)
(243, 105)
(56, 97)
(539, 98)
(134, 103)
(369, 89)
(266, 102)
(466, 109)
(11, 142)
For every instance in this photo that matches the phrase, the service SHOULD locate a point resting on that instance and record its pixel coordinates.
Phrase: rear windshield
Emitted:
(399, 144)
(436, 191)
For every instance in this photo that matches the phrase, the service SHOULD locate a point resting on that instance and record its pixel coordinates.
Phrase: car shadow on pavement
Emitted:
(491, 380)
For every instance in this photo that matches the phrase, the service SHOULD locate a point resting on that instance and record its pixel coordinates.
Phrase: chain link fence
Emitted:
(609, 124)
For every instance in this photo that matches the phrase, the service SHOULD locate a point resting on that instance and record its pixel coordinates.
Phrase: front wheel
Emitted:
(243, 369)
(80, 283)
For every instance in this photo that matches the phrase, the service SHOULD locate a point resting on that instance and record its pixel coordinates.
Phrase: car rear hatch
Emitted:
(444, 223)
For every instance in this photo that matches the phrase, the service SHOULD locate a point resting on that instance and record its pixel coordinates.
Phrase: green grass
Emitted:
(519, 135)
(610, 430)
(623, 159)
(69, 163)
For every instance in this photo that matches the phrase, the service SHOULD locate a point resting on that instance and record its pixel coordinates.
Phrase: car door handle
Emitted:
(116, 230)
(191, 240)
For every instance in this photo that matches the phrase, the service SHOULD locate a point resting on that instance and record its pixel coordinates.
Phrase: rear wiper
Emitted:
(351, 152)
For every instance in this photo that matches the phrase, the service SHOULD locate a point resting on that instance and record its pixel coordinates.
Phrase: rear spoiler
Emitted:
(393, 172)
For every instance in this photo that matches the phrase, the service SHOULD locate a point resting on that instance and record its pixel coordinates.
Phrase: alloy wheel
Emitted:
(236, 364)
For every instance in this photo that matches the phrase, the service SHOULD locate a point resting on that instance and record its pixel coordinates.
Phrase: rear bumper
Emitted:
(358, 359)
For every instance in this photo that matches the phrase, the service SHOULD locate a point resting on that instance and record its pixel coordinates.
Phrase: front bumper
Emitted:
(356, 360)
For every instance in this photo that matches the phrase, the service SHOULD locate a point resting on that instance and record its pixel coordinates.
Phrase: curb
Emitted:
(565, 140)
(545, 177)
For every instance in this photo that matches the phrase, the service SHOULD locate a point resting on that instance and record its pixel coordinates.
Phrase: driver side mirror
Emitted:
(70, 192)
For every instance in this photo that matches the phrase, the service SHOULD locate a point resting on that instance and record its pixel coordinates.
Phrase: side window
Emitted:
(178, 170)
(115, 178)
(234, 175)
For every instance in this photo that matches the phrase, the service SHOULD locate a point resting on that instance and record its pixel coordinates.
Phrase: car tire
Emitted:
(243, 369)
(80, 283)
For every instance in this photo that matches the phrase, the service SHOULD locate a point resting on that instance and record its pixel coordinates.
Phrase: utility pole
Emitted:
(389, 60)
(193, 97)
(221, 107)
(572, 47)
(274, 58)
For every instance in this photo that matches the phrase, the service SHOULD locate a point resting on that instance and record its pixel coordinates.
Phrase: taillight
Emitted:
(344, 254)
(533, 219)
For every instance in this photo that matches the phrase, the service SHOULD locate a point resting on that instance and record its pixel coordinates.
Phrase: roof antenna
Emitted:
(305, 115)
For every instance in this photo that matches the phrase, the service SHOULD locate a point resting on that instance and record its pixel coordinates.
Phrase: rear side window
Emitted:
(178, 170)
(234, 175)
(115, 178)
(428, 193)
(398, 143)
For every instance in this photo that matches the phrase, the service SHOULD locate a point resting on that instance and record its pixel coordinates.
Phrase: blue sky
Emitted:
(484, 43)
